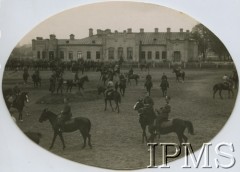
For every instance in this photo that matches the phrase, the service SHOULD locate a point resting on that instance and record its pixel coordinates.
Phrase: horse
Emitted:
(175, 125)
(115, 96)
(19, 103)
(78, 123)
(36, 80)
(133, 76)
(79, 83)
(145, 119)
(164, 86)
(146, 66)
(223, 86)
(148, 84)
(179, 73)
(122, 86)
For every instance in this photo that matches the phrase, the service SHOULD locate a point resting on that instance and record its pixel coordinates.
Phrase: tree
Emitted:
(208, 40)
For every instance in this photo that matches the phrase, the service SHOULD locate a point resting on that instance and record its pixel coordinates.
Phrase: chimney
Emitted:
(116, 31)
(90, 32)
(187, 31)
(108, 31)
(129, 30)
(181, 30)
(156, 30)
(52, 36)
(72, 37)
(141, 30)
(168, 29)
(124, 31)
(99, 31)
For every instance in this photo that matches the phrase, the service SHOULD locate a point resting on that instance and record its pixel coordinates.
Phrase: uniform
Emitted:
(109, 89)
(66, 114)
(163, 115)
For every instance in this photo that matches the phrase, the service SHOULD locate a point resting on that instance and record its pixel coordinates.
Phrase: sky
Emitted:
(110, 15)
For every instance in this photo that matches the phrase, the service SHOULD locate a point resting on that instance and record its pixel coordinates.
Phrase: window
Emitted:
(43, 54)
(98, 56)
(120, 52)
(149, 55)
(143, 55)
(129, 53)
(111, 53)
(38, 54)
(88, 54)
(70, 55)
(79, 54)
(164, 55)
(176, 56)
(62, 55)
(51, 55)
(157, 55)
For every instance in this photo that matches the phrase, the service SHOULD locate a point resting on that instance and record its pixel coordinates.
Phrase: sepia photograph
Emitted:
(96, 83)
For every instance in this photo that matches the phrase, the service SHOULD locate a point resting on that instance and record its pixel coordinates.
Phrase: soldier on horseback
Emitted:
(65, 114)
(164, 77)
(148, 107)
(163, 114)
(110, 88)
(130, 72)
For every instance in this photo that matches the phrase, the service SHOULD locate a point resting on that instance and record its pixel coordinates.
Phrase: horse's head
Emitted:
(43, 116)
(24, 95)
(139, 104)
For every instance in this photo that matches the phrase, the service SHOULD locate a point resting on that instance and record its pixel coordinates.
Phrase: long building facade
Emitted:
(130, 46)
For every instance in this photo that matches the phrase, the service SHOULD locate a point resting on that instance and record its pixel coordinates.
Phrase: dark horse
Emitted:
(145, 119)
(164, 86)
(176, 125)
(148, 84)
(223, 86)
(18, 103)
(179, 74)
(114, 95)
(134, 77)
(25, 77)
(79, 83)
(79, 123)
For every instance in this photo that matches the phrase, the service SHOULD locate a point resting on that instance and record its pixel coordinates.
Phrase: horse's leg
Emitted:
(214, 92)
(84, 139)
(89, 140)
(61, 137)
(229, 94)
(185, 138)
(232, 93)
(220, 94)
(144, 135)
(105, 104)
(117, 106)
(20, 116)
(110, 102)
(53, 140)
(180, 138)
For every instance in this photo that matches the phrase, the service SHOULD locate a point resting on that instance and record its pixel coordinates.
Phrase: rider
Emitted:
(130, 72)
(110, 88)
(148, 105)
(163, 113)
(66, 113)
(164, 77)
(225, 79)
(76, 77)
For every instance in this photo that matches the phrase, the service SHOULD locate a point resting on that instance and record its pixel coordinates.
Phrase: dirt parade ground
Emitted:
(117, 138)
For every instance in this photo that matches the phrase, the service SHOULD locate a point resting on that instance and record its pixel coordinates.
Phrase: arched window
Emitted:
(111, 53)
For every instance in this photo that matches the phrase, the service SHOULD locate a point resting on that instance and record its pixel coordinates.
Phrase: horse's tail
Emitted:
(189, 127)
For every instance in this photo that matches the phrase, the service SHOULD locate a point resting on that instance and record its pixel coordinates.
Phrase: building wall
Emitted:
(76, 50)
(153, 49)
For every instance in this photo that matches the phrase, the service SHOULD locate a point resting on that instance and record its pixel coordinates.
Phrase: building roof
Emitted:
(147, 38)
(85, 41)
